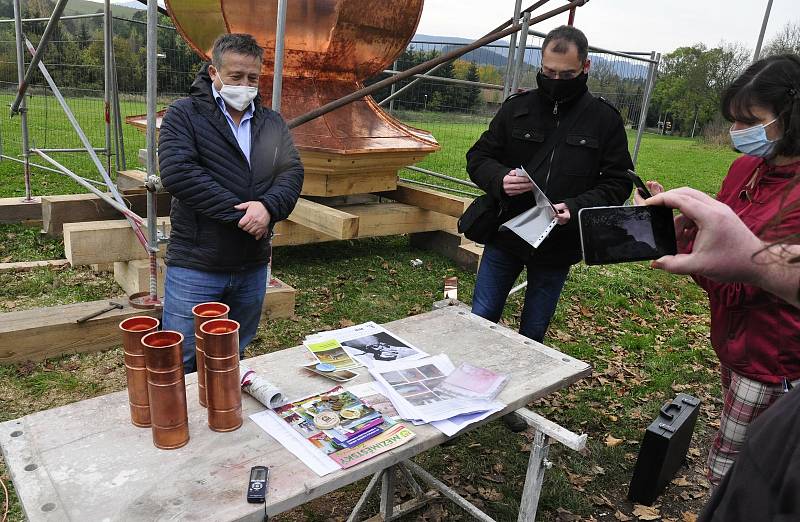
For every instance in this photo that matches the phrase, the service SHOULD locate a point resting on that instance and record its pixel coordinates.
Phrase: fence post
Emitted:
(26, 153)
(648, 91)
(512, 46)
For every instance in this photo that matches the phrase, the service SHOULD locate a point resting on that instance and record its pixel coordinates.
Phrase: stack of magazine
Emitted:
(333, 430)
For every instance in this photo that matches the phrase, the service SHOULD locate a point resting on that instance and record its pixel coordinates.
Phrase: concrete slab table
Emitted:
(86, 461)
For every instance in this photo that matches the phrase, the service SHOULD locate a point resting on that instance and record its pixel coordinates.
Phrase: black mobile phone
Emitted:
(639, 184)
(622, 234)
(257, 487)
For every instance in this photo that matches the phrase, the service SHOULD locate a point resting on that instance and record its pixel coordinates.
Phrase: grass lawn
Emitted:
(645, 333)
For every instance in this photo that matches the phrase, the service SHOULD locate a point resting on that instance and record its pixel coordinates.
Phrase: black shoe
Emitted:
(514, 422)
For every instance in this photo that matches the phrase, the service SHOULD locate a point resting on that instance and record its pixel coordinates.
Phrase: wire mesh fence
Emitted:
(455, 113)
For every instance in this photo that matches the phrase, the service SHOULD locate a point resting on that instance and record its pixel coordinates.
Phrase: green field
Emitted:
(645, 333)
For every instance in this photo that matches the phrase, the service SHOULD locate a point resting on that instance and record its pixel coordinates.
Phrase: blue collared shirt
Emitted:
(242, 131)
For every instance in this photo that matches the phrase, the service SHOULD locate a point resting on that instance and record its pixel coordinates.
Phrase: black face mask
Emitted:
(562, 90)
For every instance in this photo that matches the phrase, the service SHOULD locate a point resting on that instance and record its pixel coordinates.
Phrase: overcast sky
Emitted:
(631, 25)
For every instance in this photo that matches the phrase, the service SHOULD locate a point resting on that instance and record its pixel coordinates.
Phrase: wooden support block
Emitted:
(50, 332)
(134, 276)
(131, 179)
(317, 184)
(463, 252)
(279, 301)
(327, 220)
(24, 266)
(17, 210)
(429, 199)
(98, 268)
(104, 242)
(79, 208)
(391, 219)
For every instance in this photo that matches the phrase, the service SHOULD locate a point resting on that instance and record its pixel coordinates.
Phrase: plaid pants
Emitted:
(745, 399)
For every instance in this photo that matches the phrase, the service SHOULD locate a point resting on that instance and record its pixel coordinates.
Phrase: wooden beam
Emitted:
(328, 185)
(131, 179)
(41, 333)
(429, 199)
(24, 266)
(79, 208)
(134, 276)
(110, 241)
(279, 301)
(96, 242)
(49, 332)
(17, 210)
(390, 219)
(327, 220)
(463, 252)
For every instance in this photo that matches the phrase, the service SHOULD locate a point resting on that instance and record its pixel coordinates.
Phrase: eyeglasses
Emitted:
(559, 75)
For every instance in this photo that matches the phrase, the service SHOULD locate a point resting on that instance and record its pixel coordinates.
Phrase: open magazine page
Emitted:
(334, 424)
(369, 342)
(413, 388)
(535, 224)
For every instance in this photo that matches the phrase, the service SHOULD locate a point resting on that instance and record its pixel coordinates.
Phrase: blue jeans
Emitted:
(497, 274)
(184, 288)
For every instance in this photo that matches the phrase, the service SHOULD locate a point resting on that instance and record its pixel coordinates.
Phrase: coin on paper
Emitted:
(326, 420)
(350, 413)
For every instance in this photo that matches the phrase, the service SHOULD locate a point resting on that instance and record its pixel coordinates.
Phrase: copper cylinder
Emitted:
(202, 313)
(221, 342)
(167, 389)
(133, 329)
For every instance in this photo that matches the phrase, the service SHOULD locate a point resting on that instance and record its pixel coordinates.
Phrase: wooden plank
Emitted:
(50, 332)
(131, 179)
(429, 199)
(279, 301)
(17, 210)
(317, 184)
(327, 220)
(134, 276)
(104, 242)
(111, 241)
(389, 219)
(79, 208)
(96, 442)
(24, 266)
(464, 253)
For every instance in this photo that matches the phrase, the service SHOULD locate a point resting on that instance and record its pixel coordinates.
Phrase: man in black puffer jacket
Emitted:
(233, 172)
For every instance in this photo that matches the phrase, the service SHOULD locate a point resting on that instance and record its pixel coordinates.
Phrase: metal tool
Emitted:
(111, 306)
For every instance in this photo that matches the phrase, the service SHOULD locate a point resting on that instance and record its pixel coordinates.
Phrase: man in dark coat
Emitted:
(585, 169)
(233, 172)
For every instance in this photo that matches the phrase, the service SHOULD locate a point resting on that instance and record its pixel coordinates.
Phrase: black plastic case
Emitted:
(663, 449)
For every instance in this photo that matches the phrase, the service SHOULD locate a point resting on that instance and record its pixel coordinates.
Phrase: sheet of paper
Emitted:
(369, 342)
(301, 448)
(412, 387)
(535, 224)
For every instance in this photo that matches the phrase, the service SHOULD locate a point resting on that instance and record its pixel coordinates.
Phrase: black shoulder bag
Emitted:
(482, 217)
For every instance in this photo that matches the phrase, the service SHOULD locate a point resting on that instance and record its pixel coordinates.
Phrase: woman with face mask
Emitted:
(755, 334)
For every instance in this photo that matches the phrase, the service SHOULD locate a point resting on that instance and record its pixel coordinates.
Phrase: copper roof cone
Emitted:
(223, 384)
(331, 47)
(166, 389)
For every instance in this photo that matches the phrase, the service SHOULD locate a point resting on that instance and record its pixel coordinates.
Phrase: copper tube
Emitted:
(221, 342)
(167, 389)
(202, 313)
(133, 329)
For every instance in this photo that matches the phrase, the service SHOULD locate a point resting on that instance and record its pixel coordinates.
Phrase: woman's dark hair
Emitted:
(772, 83)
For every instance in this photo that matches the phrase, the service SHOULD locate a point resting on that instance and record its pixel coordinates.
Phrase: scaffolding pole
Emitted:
(26, 153)
(152, 86)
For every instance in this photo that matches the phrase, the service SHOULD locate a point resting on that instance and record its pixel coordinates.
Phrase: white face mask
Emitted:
(238, 96)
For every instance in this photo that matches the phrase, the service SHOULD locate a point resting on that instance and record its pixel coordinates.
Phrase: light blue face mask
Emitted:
(753, 140)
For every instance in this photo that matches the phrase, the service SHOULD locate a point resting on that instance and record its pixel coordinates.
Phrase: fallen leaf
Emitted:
(613, 442)
(622, 517)
(345, 323)
(490, 494)
(688, 516)
(646, 512)
(681, 481)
